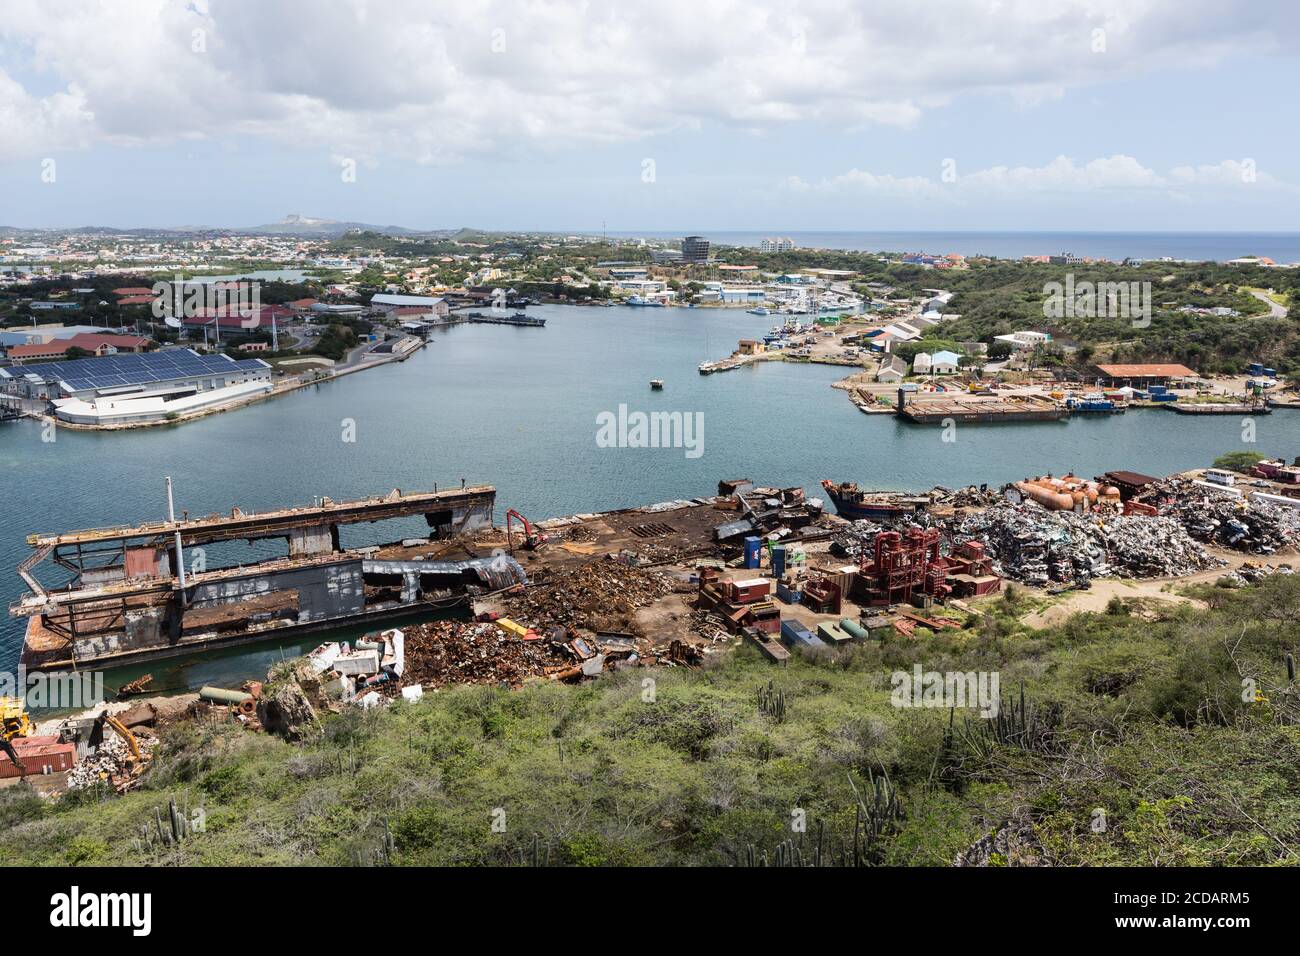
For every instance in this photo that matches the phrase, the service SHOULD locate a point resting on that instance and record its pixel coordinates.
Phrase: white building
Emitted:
(921, 363)
(945, 363)
(892, 369)
(776, 244)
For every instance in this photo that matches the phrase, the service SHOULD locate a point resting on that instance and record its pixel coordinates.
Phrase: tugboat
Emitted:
(853, 503)
(657, 384)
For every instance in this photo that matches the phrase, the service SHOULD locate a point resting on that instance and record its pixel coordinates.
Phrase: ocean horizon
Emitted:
(1281, 247)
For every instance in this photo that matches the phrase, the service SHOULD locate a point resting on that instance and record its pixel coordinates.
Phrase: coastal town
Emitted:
(124, 331)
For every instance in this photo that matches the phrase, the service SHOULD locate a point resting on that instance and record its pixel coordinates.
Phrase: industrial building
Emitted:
(433, 305)
(137, 387)
(43, 334)
(92, 342)
(1141, 376)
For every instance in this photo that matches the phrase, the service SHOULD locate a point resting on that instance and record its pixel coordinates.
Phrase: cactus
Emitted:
(1290, 668)
(771, 702)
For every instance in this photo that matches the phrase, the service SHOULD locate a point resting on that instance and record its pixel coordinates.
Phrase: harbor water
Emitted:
(519, 408)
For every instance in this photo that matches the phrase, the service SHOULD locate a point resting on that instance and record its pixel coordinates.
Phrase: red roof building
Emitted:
(94, 342)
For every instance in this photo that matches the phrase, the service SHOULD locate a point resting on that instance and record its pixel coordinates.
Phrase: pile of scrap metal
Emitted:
(493, 652)
(602, 595)
(1225, 517)
(778, 512)
(110, 751)
(358, 672)
(1031, 544)
(973, 496)
(1252, 574)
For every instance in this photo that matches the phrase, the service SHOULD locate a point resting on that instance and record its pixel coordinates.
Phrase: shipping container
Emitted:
(38, 758)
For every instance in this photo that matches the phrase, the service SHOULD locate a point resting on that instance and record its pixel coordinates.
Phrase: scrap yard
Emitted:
(671, 582)
(567, 599)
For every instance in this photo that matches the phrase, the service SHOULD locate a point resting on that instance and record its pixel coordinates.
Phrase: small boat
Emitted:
(657, 384)
(760, 311)
(853, 503)
(645, 302)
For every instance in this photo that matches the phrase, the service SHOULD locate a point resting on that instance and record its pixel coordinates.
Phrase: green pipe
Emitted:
(219, 695)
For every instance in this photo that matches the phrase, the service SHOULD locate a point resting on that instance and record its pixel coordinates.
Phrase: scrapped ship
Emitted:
(855, 504)
(166, 588)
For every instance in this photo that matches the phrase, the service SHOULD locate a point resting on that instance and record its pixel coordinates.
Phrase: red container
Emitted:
(39, 758)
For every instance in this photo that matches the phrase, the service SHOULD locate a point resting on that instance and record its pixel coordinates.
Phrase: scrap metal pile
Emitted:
(1256, 527)
(602, 595)
(1034, 545)
(451, 652)
(111, 762)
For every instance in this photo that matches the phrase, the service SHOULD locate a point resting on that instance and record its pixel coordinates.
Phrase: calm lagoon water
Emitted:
(517, 408)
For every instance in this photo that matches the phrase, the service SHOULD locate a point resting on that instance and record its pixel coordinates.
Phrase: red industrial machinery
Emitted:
(901, 566)
(533, 539)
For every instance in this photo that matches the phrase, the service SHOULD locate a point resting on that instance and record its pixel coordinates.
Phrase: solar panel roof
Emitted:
(132, 368)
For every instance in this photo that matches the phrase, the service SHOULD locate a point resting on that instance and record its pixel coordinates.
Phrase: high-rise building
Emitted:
(777, 244)
(695, 249)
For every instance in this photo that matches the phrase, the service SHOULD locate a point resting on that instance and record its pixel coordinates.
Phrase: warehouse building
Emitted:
(1141, 376)
(137, 387)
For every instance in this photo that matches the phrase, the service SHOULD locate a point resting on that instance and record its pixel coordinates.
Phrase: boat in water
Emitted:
(855, 504)
(657, 384)
(760, 311)
(644, 302)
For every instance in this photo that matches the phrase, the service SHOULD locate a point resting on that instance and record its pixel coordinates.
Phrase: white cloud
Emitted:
(439, 82)
(1117, 175)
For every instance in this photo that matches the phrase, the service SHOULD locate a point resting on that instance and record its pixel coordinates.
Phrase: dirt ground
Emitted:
(1161, 589)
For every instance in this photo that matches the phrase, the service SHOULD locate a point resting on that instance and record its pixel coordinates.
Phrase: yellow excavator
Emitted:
(14, 722)
(138, 757)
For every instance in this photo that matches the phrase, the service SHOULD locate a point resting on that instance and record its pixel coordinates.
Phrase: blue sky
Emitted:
(672, 116)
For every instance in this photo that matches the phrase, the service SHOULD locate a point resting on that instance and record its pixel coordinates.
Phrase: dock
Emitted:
(1220, 408)
(936, 411)
(132, 593)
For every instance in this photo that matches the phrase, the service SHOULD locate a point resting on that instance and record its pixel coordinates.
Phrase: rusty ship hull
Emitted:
(122, 601)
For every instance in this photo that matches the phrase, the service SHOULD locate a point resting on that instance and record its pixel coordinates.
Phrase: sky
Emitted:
(676, 115)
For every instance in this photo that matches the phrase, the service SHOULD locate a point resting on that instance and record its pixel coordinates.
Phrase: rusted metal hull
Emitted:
(122, 603)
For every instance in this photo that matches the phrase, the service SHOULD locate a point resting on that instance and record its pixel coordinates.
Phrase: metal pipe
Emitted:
(219, 695)
(180, 551)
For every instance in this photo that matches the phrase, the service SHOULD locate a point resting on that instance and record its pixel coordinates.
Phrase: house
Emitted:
(892, 369)
(945, 363)
(751, 347)
(1025, 339)
(921, 364)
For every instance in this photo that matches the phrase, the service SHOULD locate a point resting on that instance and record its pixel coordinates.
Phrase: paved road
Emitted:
(1277, 311)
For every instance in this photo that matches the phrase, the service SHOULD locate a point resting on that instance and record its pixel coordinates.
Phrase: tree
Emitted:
(1239, 461)
(76, 352)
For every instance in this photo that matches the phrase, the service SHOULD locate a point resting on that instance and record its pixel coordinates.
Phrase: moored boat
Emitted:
(853, 503)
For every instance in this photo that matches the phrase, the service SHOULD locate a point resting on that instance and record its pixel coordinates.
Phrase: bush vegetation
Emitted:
(1140, 714)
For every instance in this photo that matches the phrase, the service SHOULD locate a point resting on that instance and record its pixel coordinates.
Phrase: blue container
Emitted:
(788, 595)
(1256, 368)
(753, 551)
(778, 560)
(794, 634)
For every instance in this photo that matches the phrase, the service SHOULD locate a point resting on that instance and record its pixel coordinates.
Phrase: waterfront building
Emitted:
(137, 387)
(695, 249)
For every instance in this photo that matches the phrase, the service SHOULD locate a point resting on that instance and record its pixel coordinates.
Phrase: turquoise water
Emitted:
(517, 408)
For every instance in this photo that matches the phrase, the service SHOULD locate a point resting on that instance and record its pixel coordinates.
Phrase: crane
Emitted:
(533, 539)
